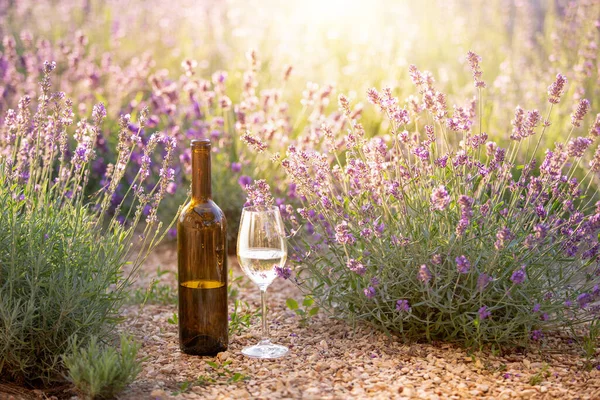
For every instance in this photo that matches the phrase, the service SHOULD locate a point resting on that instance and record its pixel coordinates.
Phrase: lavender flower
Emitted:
(356, 266)
(98, 113)
(440, 198)
(582, 108)
(537, 335)
(484, 313)
(343, 234)
(402, 306)
(466, 211)
(283, 272)
(463, 265)
(556, 89)
(254, 142)
(482, 281)
(584, 299)
(578, 146)
(518, 123)
(536, 307)
(518, 276)
(595, 128)
(244, 181)
(504, 237)
(474, 61)
(259, 194)
(370, 292)
(236, 167)
(424, 274)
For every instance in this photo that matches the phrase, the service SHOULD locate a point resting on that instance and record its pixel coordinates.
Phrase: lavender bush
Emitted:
(67, 256)
(433, 231)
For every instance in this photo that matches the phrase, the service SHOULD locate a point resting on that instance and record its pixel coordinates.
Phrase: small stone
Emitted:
(223, 356)
(312, 390)
(159, 394)
(168, 370)
(527, 393)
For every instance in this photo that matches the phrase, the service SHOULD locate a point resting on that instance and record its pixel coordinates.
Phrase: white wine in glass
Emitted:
(261, 247)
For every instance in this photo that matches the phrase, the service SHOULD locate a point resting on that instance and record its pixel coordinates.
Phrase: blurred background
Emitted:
(350, 44)
(129, 54)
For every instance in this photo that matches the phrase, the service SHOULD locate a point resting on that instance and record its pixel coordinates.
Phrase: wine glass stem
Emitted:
(263, 301)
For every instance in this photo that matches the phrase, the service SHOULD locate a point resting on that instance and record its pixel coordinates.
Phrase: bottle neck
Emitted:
(201, 185)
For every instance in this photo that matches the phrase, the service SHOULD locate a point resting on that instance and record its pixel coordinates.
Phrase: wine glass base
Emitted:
(265, 350)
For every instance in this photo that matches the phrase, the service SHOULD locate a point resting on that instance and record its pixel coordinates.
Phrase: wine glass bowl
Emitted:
(262, 246)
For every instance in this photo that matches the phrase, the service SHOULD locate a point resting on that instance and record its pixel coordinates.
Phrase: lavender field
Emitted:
(436, 165)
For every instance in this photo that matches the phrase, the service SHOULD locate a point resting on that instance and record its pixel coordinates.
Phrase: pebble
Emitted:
(159, 394)
(483, 388)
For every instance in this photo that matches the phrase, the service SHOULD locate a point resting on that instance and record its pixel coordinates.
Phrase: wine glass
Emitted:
(261, 246)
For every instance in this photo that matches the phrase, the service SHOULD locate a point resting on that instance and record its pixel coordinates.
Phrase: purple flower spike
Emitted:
(424, 274)
(283, 272)
(584, 299)
(236, 167)
(343, 235)
(556, 90)
(370, 292)
(463, 264)
(402, 306)
(482, 281)
(518, 276)
(356, 266)
(244, 181)
(440, 198)
(537, 335)
(484, 313)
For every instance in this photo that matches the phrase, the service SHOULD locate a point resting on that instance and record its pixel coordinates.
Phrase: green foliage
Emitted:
(590, 343)
(174, 319)
(99, 372)
(241, 316)
(155, 293)
(62, 251)
(219, 374)
(56, 272)
(306, 312)
(539, 377)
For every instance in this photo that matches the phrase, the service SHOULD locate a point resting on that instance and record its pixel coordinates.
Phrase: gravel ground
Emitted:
(331, 360)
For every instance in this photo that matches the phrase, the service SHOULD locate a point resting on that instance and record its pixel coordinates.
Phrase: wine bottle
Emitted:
(202, 264)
